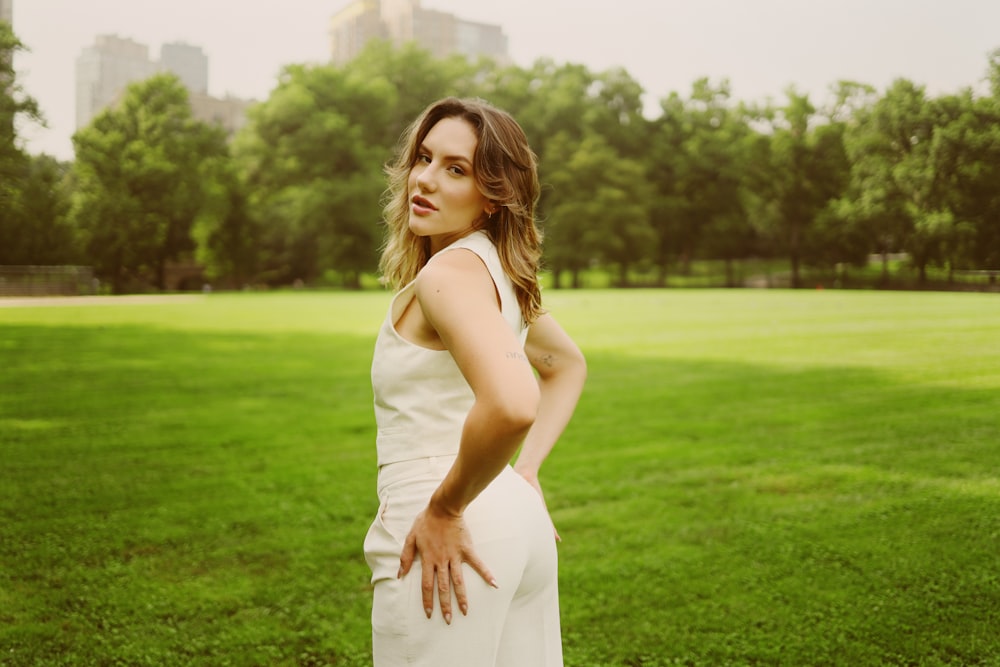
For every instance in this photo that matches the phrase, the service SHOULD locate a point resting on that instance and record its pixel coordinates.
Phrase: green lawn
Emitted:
(753, 477)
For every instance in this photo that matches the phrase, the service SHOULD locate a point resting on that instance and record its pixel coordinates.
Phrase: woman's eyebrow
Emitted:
(446, 158)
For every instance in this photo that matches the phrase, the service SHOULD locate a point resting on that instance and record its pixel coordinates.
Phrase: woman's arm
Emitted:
(457, 299)
(562, 371)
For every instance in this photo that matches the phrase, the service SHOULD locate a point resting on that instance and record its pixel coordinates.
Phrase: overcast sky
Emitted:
(761, 46)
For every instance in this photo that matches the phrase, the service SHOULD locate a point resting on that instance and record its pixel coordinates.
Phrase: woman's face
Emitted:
(445, 203)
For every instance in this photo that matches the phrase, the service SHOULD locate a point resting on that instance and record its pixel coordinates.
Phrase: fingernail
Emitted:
(494, 584)
(399, 573)
(447, 619)
(464, 608)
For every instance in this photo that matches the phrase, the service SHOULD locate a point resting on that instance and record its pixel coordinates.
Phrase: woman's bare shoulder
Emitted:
(456, 284)
(459, 265)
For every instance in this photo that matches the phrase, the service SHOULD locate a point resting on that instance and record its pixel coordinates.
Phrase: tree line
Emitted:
(295, 195)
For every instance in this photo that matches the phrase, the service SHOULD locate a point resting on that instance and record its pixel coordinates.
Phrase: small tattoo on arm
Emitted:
(516, 356)
(547, 359)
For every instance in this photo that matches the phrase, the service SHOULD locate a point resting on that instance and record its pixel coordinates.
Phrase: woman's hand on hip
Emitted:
(443, 543)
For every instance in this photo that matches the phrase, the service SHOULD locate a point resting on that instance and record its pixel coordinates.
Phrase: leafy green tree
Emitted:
(566, 109)
(547, 100)
(916, 174)
(903, 173)
(35, 229)
(312, 154)
(966, 154)
(993, 72)
(14, 103)
(697, 155)
(31, 225)
(140, 172)
(807, 174)
(616, 112)
(409, 78)
(311, 158)
(872, 202)
(840, 236)
(836, 239)
(516, 90)
(981, 176)
(599, 210)
(666, 164)
(225, 234)
(550, 103)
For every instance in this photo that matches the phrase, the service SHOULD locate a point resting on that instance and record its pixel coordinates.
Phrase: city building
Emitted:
(230, 113)
(401, 21)
(105, 70)
(189, 63)
(353, 27)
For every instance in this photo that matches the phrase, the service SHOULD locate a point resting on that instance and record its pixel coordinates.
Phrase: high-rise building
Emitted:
(401, 21)
(474, 39)
(189, 63)
(353, 27)
(105, 69)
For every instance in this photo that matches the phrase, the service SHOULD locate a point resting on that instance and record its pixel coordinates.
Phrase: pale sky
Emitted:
(761, 46)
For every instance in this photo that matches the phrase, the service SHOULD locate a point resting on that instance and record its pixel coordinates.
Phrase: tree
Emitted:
(18, 204)
(905, 173)
(993, 72)
(806, 173)
(546, 99)
(564, 110)
(616, 112)
(34, 226)
(978, 172)
(225, 234)
(311, 158)
(599, 209)
(312, 154)
(844, 233)
(967, 148)
(14, 103)
(140, 172)
(409, 79)
(698, 149)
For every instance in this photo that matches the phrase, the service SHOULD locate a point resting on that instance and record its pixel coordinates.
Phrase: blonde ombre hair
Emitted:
(506, 172)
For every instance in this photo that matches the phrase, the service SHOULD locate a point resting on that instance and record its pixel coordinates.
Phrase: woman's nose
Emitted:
(425, 178)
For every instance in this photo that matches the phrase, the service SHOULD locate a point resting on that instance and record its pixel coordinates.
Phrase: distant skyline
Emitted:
(761, 46)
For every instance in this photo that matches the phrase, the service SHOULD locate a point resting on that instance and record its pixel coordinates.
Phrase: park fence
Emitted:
(47, 280)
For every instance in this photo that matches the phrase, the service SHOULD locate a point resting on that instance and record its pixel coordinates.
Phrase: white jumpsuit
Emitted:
(421, 401)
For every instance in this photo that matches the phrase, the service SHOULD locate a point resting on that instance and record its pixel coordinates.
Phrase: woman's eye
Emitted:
(455, 169)
(423, 157)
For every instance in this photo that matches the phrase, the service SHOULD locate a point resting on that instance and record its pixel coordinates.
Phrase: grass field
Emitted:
(752, 478)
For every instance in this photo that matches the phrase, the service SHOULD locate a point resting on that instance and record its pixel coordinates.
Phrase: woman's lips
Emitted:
(422, 206)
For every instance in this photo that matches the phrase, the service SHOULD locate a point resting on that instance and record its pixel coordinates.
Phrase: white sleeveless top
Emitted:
(421, 396)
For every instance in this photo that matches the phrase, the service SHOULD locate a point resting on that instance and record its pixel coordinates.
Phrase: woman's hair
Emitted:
(506, 173)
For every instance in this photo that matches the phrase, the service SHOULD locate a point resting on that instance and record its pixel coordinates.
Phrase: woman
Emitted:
(458, 529)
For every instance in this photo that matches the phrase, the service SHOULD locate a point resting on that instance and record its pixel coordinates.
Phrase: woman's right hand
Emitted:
(443, 543)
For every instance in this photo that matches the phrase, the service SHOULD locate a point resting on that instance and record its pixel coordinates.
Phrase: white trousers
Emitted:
(516, 625)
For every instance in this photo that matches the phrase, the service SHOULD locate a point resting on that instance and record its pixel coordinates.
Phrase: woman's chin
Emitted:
(417, 227)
